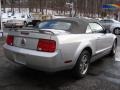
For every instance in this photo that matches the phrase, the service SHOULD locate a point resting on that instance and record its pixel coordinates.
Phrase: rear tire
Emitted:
(21, 26)
(25, 23)
(81, 68)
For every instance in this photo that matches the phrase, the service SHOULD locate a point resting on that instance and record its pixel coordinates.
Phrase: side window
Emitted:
(88, 30)
(106, 21)
(96, 28)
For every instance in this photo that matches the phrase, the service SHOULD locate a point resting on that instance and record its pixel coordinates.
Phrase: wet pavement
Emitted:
(103, 74)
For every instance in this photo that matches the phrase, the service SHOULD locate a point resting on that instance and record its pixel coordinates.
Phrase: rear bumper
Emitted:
(14, 25)
(43, 61)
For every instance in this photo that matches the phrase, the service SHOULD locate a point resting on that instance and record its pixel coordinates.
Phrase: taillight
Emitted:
(46, 45)
(10, 40)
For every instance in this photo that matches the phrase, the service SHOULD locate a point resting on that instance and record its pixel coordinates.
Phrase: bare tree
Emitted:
(84, 7)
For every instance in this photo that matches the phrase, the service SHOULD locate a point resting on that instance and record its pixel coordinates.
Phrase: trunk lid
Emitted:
(28, 39)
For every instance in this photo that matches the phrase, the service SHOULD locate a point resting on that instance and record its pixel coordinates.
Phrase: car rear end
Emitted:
(49, 47)
(34, 49)
(14, 23)
(19, 23)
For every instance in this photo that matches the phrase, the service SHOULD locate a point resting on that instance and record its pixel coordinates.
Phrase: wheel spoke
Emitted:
(117, 31)
(82, 69)
(84, 64)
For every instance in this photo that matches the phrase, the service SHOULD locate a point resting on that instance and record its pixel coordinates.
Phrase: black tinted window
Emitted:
(106, 21)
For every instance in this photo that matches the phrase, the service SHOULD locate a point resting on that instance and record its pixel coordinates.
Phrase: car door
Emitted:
(109, 39)
(100, 37)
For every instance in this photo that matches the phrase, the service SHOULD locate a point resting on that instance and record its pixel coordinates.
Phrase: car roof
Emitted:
(106, 19)
(84, 20)
(111, 20)
(82, 23)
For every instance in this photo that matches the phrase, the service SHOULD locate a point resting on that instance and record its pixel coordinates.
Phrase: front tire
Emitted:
(81, 68)
(114, 47)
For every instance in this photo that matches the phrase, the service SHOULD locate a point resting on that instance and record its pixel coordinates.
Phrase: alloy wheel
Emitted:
(117, 31)
(84, 64)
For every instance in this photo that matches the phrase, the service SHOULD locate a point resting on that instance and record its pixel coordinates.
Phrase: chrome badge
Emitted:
(23, 41)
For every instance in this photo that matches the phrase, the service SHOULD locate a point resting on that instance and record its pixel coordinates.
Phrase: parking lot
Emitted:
(54, 35)
(103, 74)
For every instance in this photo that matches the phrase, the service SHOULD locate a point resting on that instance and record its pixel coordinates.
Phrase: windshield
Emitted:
(54, 24)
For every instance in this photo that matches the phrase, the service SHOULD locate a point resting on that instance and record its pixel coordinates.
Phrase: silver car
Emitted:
(111, 24)
(60, 44)
(14, 23)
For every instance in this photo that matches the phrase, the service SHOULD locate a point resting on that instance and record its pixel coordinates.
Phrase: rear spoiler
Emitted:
(46, 32)
(34, 30)
(17, 29)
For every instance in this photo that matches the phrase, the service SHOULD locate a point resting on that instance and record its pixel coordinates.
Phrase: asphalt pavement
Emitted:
(103, 74)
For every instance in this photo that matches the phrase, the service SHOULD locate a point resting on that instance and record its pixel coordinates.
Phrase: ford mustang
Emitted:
(60, 44)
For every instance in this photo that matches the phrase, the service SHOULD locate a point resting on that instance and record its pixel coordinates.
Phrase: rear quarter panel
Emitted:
(71, 45)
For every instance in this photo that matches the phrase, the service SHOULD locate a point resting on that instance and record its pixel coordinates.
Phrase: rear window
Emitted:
(57, 25)
(106, 21)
